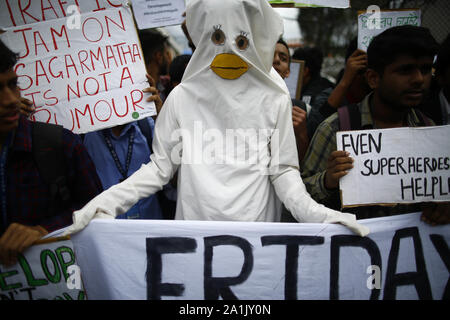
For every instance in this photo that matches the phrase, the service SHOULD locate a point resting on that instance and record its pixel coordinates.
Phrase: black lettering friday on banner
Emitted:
(222, 287)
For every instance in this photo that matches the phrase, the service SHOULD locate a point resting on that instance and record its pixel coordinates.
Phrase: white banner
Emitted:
(401, 165)
(402, 258)
(45, 272)
(374, 21)
(86, 76)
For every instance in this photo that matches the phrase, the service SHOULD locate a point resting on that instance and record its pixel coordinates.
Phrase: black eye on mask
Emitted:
(218, 37)
(242, 42)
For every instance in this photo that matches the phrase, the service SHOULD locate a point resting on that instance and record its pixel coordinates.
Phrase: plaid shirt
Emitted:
(323, 143)
(27, 196)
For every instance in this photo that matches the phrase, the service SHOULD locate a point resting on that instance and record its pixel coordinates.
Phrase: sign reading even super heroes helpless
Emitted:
(402, 165)
(402, 258)
(84, 75)
(46, 271)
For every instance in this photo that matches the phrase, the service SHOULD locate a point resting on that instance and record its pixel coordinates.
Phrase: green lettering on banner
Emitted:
(56, 277)
(32, 281)
(4, 286)
(64, 264)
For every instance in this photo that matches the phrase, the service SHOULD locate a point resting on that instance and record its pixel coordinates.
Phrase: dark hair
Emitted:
(281, 41)
(178, 66)
(402, 40)
(152, 41)
(313, 58)
(443, 57)
(7, 58)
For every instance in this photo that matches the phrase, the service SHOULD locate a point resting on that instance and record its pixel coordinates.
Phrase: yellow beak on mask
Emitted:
(229, 66)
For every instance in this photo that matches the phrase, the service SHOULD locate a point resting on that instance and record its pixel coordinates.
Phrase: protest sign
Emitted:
(323, 3)
(401, 165)
(402, 258)
(85, 78)
(15, 13)
(374, 21)
(158, 13)
(46, 271)
(295, 79)
(282, 4)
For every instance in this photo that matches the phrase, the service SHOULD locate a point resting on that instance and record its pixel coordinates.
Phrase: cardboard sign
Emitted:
(373, 22)
(295, 79)
(46, 271)
(15, 13)
(159, 13)
(402, 258)
(323, 3)
(84, 78)
(402, 165)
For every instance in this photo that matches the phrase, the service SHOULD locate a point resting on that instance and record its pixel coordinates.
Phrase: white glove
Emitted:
(292, 192)
(82, 217)
(348, 220)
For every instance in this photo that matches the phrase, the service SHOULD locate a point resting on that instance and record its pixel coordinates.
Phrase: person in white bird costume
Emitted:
(227, 128)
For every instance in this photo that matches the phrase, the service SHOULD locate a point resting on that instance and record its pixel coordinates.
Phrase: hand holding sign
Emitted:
(16, 239)
(356, 64)
(155, 94)
(435, 214)
(339, 163)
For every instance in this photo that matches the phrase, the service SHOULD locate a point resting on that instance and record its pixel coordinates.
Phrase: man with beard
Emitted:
(399, 73)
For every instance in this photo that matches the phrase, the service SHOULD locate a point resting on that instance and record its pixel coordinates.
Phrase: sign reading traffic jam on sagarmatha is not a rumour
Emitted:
(44, 272)
(86, 76)
(402, 258)
(402, 165)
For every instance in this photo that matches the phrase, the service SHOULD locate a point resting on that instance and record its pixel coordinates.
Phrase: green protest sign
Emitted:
(47, 271)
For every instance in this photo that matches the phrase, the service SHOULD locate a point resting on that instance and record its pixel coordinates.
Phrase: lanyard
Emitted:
(123, 172)
(3, 158)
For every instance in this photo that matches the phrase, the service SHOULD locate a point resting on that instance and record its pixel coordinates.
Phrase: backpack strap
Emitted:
(147, 132)
(349, 117)
(49, 157)
(424, 120)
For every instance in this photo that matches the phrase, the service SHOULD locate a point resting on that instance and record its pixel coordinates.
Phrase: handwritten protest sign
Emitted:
(84, 79)
(402, 258)
(402, 165)
(158, 13)
(372, 23)
(294, 81)
(46, 271)
(15, 13)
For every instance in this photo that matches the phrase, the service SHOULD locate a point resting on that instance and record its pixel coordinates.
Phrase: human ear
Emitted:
(373, 78)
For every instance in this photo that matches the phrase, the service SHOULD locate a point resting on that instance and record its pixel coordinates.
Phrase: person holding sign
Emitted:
(29, 209)
(351, 88)
(313, 83)
(227, 128)
(281, 63)
(119, 151)
(399, 73)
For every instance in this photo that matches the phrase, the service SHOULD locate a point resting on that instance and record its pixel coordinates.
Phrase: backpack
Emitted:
(48, 155)
(350, 118)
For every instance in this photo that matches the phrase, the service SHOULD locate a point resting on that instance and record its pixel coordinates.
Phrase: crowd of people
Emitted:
(396, 83)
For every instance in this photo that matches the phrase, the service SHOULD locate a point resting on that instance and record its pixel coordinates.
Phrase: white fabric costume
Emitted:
(229, 90)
